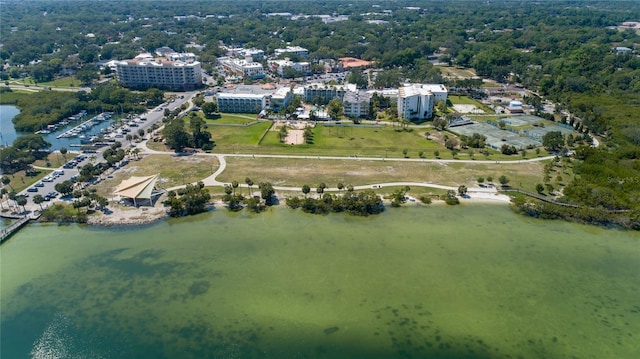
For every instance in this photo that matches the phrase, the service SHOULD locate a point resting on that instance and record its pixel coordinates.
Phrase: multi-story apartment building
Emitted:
(253, 99)
(416, 101)
(145, 71)
(279, 66)
(297, 50)
(242, 67)
(241, 102)
(321, 94)
(356, 104)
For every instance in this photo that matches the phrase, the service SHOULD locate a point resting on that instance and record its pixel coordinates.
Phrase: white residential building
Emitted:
(255, 54)
(300, 51)
(280, 65)
(241, 102)
(253, 99)
(356, 104)
(416, 101)
(184, 57)
(145, 71)
(321, 94)
(242, 68)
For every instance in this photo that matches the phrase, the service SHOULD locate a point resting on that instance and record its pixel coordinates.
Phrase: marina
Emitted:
(78, 130)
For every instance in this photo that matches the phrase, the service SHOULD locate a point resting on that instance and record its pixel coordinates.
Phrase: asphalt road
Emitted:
(153, 116)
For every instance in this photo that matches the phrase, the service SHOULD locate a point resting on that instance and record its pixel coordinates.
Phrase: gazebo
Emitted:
(138, 189)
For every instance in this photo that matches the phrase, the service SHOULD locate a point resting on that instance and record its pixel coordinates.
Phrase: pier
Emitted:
(13, 228)
(85, 126)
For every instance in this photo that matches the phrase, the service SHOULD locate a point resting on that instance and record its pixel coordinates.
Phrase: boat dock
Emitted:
(13, 228)
(85, 126)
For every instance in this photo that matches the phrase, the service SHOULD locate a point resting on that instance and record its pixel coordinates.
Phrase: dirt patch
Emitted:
(461, 108)
(294, 137)
(118, 215)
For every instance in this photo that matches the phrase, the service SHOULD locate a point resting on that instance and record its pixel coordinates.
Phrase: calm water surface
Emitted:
(9, 134)
(474, 281)
(7, 131)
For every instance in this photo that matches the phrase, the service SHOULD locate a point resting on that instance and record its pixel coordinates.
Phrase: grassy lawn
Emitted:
(297, 172)
(356, 141)
(19, 181)
(457, 72)
(59, 82)
(237, 139)
(465, 100)
(342, 141)
(233, 119)
(173, 171)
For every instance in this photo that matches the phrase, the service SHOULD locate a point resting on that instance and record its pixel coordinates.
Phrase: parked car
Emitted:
(39, 184)
(47, 179)
(32, 189)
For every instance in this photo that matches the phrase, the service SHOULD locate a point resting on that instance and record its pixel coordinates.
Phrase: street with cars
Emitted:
(70, 169)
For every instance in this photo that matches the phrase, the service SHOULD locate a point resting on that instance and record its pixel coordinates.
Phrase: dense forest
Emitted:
(562, 50)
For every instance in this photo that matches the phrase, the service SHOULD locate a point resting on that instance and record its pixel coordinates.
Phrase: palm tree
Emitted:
(3, 191)
(13, 197)
(340, 186)
(21, 201)
(63, 152)
(321, 188)
(306, 189)
(38, 199)
(129, 138)
(6, 181)
(234, 184)
(135, 153)
(249, 183)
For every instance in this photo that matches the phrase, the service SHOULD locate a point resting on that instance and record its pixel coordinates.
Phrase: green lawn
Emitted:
(237, 139)
(355, 141)
(19, 181)
(59, 82)
(232, 119)
(342, 141)
(465, 100)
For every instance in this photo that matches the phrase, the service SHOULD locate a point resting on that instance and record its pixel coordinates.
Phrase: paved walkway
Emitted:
(473, 192)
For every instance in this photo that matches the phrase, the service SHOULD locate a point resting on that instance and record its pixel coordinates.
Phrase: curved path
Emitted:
(489, 193)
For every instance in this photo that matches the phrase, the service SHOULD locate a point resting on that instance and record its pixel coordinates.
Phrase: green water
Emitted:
(474, 281)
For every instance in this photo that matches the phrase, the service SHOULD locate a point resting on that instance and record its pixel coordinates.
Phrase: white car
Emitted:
(47, 179)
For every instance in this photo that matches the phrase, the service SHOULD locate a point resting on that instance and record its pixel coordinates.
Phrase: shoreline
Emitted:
(148, 215)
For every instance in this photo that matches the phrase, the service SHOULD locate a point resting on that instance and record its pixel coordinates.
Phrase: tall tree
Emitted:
(306, 189)
(63, 152)
(6, 181)
(175, 135)
(334, 109)
(249, 183)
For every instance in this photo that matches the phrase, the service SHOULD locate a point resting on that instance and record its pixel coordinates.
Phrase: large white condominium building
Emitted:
(321, 94)
(253, 99)
(356, 104)
(242, 67)
(145, 71)
(300, 51)
(416, 101)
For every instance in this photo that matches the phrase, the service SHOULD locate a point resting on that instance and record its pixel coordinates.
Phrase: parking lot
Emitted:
(46, 186)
